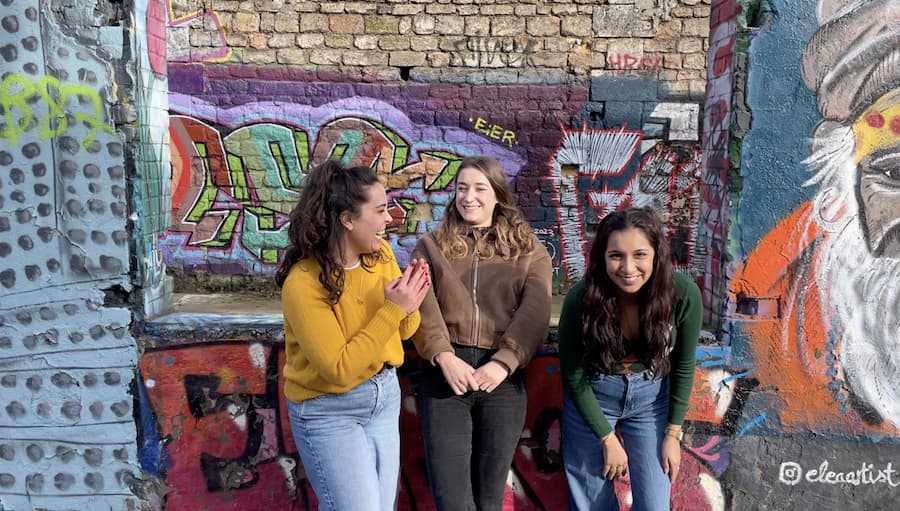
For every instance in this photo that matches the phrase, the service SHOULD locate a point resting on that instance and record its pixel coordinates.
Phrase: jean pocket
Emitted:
(321, 405)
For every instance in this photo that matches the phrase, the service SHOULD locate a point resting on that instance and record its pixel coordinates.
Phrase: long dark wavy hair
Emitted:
(509, 236)
(604, 344)
(315, 229)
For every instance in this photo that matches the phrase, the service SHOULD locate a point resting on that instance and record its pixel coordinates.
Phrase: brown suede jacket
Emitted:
(489, 303)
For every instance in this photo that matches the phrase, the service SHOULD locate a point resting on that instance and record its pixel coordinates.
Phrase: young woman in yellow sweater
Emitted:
(347, 306)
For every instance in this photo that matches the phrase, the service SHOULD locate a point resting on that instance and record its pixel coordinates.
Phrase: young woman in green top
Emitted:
(627, 339)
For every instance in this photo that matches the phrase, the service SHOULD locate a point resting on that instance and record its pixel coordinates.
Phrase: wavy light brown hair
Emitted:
(316, 228)
(509, 235)
(604, 344)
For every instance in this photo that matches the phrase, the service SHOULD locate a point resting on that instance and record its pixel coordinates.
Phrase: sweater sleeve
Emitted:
(571, 365)
(687, 319)
(531, 321)
(432, 336)
(338, 359)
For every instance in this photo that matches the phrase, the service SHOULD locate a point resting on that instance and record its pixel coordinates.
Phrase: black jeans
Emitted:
(470, 440)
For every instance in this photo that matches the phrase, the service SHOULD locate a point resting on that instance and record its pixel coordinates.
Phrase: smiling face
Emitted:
(629, 260)
(475, 197)
(363, 232)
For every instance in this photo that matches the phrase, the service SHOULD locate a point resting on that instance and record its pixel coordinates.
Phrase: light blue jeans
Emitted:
(350, 444)
(638, 404)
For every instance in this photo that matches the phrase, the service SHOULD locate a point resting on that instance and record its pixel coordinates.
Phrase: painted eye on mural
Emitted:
(883, 163)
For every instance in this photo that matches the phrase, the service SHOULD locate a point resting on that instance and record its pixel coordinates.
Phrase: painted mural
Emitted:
(238, 171)
(239, 163)
(150, 146)
(232, 194)
(218, 432)
(815, 302)
(67, 356)
(718, 139)
(592, 175)
(796, 390)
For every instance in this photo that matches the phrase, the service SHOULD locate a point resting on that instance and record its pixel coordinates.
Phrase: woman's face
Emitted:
(475, 197)
(629, 260)
(363, 232)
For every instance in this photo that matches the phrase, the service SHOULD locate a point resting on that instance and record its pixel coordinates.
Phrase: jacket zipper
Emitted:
(475, 324)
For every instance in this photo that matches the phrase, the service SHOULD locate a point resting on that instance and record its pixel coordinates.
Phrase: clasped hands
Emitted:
(463, 378)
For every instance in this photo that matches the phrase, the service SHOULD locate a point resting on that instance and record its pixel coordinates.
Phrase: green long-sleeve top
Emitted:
(686, 318)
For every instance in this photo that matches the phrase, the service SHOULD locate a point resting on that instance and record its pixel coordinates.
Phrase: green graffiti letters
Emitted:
(21, 114)
(241, 186)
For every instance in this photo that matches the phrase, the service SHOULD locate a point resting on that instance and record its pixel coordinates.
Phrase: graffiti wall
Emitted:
(814, 316)
(241, 149)
(221, 437)
(719, 136)
(148, 147)
(67, 356)
(128, 156)
(242, 141)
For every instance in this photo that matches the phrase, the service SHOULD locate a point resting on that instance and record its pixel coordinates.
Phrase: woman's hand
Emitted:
(671, 456)
(488, 376)
(459, 375)
(409, 289)
(615, 460)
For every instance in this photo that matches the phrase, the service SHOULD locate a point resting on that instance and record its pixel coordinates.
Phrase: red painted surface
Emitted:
(220, 414)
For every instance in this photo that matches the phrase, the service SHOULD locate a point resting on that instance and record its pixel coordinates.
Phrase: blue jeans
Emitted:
(638, 404)
(470, 440)
(350, 444)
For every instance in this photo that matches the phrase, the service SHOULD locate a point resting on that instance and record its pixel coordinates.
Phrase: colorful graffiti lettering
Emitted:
(67, 104)
(222, 430)
(237, 190)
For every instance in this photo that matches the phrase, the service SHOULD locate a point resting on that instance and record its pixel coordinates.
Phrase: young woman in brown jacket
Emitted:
(487, 312)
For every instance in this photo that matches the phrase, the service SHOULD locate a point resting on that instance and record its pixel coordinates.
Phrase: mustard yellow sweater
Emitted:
(331, 349)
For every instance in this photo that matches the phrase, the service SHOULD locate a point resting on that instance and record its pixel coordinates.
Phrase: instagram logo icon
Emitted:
(790, 473)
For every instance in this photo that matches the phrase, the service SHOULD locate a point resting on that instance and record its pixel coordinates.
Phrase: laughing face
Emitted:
(475, 197)
(364, 231)
(629, 260)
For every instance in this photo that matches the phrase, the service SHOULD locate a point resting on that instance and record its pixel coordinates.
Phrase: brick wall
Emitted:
(456, 41)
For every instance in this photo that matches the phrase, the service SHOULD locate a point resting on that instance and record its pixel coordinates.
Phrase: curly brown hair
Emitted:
(509, 235)
(329, 190)
(604, 343)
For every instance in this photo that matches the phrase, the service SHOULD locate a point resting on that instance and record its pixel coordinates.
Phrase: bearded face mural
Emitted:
(830, 343)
